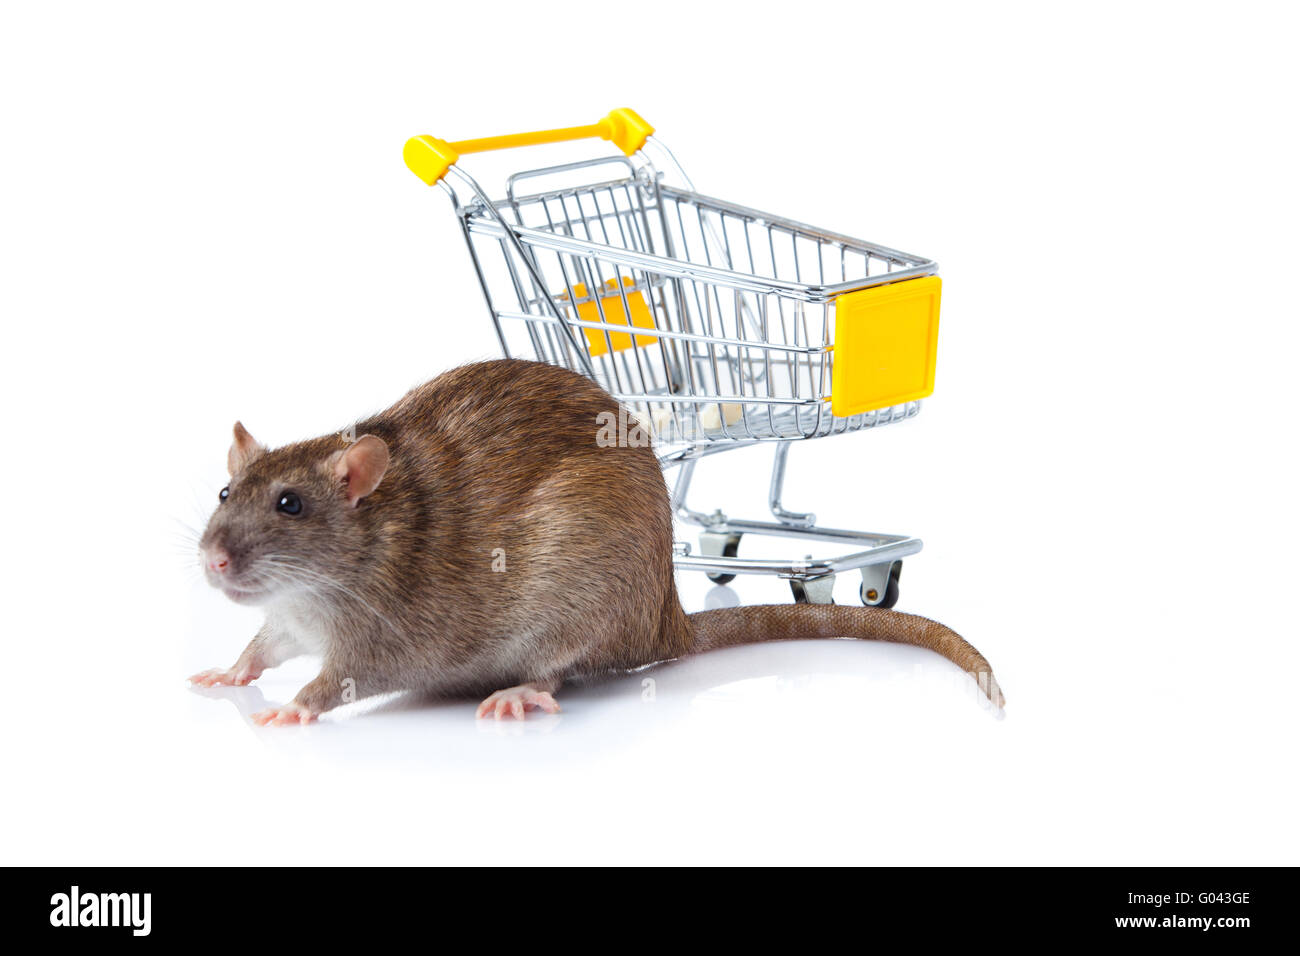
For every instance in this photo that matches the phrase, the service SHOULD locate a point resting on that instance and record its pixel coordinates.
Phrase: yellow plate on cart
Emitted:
(886, 342)
(612, 304)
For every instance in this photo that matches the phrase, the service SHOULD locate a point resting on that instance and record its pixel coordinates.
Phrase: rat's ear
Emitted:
(244, 449)
(361, 466)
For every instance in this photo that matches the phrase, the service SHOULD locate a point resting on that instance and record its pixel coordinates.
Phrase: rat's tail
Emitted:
(785, 622)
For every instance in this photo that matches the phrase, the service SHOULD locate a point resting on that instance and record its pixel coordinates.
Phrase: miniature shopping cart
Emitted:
(716, 326)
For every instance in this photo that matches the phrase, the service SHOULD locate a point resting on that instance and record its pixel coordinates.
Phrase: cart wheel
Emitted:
(729, 550)
(891, 589)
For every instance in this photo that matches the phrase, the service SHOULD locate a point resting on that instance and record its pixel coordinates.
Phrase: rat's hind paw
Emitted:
(514, 701)
(218, 677)
(284, 714)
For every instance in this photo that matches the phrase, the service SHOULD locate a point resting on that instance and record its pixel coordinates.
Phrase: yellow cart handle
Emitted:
(430, 158)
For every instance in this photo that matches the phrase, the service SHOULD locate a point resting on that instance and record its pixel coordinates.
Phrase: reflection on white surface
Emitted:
(721, 596)
(794, 681)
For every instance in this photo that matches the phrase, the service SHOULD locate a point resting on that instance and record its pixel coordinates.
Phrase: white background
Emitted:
(205, 217)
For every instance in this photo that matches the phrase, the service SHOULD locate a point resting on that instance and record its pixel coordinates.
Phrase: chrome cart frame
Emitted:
(712, 323)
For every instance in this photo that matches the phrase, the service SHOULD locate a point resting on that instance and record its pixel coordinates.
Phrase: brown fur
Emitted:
(399, 592)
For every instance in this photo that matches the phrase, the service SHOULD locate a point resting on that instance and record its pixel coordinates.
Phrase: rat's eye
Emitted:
(289, 503)
(225, 493)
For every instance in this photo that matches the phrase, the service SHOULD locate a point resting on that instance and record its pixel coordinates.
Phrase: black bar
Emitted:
(1175, 906)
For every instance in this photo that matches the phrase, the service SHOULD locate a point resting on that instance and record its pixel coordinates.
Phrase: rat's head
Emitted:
(288, 519)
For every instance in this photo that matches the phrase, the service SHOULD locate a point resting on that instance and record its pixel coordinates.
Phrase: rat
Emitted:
(477, 539)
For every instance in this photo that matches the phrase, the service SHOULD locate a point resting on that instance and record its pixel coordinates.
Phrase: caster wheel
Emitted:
(816, 591)
(891, 590)
(729, 550)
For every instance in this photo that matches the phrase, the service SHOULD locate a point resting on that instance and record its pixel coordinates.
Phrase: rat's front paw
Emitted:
(284, 714)
(515, 701)
(219, 677)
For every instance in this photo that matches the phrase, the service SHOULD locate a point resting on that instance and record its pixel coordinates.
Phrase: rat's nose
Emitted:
(217, 559)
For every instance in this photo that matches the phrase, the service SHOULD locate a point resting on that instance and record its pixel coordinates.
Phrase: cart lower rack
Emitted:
(717, 326)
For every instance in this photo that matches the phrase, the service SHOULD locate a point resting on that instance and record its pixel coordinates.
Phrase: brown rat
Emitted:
(476, 539)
